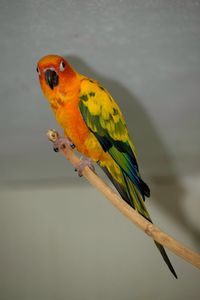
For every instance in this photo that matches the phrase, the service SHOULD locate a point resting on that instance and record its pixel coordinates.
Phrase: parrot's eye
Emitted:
(62, 66)
(38, 71)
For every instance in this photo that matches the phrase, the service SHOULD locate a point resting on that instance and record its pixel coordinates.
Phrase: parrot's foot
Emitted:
(62, 142)
(85, 162)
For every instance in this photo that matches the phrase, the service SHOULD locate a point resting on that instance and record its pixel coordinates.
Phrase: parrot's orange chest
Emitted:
(70, 119)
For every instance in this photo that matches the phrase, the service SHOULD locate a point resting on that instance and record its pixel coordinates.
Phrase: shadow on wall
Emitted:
(168, 192)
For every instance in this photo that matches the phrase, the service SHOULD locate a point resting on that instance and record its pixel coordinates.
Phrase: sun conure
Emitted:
(94, 123)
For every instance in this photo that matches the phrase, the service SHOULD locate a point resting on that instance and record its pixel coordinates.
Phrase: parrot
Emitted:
(94, 124)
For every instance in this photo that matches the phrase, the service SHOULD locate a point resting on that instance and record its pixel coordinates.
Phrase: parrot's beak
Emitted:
(51, 78)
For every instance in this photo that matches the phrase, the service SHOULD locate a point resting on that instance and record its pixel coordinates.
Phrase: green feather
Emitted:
(103, 117)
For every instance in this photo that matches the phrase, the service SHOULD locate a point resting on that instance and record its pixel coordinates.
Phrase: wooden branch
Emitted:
(149, 228)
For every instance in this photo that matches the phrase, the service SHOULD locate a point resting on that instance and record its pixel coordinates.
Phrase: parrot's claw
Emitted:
(84, 162)
(62, 142)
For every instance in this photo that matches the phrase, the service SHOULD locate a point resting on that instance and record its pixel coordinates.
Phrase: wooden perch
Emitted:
(149, 228)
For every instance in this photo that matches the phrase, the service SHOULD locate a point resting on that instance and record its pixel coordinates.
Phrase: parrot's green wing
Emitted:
(104, 118)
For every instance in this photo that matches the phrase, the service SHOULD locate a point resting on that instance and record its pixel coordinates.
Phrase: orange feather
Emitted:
(64, 101)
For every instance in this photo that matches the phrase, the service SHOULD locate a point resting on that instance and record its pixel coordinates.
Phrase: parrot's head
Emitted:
(55, 75)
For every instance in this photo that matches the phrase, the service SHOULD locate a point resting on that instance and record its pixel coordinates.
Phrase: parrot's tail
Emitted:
(166, 258)
(131, 195)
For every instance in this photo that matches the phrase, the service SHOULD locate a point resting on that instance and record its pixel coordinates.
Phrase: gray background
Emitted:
(59, 238)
